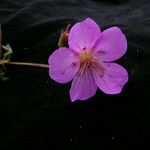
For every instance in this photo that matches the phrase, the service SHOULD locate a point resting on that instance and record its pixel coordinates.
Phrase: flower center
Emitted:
(89, 62)
(86, 57)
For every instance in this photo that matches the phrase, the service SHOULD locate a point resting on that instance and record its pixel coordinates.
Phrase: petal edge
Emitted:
(63, 65)
(113, 80)
(83, 86)
(83, 35)
(111, 45)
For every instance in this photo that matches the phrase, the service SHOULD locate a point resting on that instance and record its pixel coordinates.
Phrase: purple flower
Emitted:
(88, 60)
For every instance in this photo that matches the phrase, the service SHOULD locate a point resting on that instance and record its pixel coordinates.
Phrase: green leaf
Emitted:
(5, 55)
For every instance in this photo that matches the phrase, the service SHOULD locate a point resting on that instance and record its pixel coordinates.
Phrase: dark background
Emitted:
(36, 112)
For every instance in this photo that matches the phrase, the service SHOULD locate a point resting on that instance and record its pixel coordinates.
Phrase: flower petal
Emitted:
(83, 86)
(83, 35)
(113, 80)
(63, 65)
(111, 44)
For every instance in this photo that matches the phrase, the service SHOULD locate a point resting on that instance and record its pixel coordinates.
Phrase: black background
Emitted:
(36, 112)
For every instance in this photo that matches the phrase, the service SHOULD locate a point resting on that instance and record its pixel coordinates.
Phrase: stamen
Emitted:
(87, 61)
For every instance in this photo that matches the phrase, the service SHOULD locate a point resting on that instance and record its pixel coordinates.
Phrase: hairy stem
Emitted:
(24, 64)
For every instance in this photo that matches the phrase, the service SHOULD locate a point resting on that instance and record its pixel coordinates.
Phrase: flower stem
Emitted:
(24, 64)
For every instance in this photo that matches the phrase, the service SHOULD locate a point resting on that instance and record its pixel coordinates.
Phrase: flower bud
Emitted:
(63, 40)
